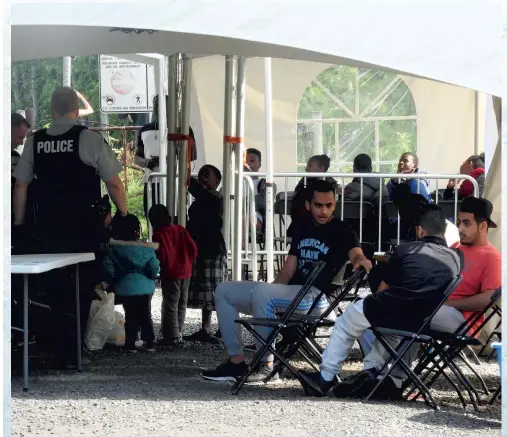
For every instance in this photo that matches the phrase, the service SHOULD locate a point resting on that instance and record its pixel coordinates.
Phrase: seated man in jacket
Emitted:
(372, 187)
(417, 274)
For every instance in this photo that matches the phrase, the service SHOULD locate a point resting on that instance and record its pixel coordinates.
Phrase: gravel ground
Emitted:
(162, 394)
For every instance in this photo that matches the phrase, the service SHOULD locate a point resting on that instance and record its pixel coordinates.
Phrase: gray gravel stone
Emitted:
(162, 394)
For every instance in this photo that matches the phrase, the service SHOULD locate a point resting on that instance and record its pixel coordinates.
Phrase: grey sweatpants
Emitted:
(258, 299)
(352, 325)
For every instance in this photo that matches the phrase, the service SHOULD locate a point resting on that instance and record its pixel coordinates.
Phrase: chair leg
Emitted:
(495, 395)
(479, 377)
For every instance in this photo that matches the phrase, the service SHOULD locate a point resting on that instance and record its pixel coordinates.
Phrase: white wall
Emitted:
(445, 134)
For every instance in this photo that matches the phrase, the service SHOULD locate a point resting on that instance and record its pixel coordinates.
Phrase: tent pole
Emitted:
(269, 170)
(186, 77)
(67, 71)
(238, 185)
(171, 145)
(227, 152)
(162, 124)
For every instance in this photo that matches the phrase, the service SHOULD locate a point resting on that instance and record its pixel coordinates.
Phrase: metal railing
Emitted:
(341, 178)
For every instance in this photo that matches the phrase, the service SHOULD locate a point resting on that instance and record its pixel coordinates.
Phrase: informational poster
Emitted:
(125, 86)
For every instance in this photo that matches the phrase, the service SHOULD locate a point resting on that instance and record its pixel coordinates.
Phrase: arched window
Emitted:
(347, 110)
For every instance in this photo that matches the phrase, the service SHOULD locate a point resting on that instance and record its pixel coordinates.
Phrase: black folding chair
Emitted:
(407, 340)
(278, 325)
(448, 347)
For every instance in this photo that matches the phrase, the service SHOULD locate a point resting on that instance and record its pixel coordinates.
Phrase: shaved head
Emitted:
(65, 103)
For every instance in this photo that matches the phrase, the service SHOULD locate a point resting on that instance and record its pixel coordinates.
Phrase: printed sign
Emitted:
(125, 86)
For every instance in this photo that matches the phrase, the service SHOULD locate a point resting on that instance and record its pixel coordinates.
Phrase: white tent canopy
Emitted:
(449, 41)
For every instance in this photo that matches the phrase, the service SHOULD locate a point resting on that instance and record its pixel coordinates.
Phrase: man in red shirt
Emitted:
(482, 275)
(177, 252)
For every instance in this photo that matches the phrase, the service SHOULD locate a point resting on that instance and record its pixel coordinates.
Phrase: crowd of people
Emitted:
(59, 174)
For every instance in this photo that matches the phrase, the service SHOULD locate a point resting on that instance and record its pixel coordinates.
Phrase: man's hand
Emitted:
(364, 263)
(357, 258)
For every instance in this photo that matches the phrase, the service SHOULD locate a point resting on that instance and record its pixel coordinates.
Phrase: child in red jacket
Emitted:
(176, 253)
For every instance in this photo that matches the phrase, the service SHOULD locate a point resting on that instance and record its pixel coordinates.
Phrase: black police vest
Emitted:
(67, 188)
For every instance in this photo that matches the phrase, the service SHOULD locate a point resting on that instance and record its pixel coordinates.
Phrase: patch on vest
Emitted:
(60, 146)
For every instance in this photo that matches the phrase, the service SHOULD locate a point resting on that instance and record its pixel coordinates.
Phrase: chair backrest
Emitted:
(447, 292)
(355, 278)
(476, 321)
(390, 211)
(352, 210)
(279, 206)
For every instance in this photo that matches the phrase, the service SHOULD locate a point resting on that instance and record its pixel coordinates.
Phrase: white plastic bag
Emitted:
(100, 321)
(117, 334)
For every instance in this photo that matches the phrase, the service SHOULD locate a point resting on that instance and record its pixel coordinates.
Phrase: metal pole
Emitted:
(171, 145)
(186, 77)
(238, 183)
(318, 146)
(162, 125)
(67, 71)
(269, 170)
(227, 152)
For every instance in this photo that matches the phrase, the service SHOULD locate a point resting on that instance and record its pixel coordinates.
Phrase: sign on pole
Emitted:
(126, 86)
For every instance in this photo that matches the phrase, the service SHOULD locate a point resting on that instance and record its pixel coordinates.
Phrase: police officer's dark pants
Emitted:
(137, 317)
(174, 308)
(155, 188)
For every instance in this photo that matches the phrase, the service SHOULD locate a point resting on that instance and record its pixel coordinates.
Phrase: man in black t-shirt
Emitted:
(416, 276)
(321, 237)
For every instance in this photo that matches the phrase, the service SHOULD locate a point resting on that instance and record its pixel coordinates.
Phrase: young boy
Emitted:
(176, 253)
(205, 227)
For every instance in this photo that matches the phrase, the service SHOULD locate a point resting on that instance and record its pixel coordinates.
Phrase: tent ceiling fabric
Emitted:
(446, 40)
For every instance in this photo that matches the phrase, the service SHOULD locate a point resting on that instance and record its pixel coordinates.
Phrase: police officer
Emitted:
(68, 161)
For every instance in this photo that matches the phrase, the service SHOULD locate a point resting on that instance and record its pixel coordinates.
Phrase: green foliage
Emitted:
(358, 90)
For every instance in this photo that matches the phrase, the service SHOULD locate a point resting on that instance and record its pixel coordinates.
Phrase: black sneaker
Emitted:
(386, 391)
(261, 374)
(202, 336)
(130, 349)
(351, 386)
(319, 386)
(227, 371)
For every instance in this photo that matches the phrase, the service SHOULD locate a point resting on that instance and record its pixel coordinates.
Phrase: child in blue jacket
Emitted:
(132, 267)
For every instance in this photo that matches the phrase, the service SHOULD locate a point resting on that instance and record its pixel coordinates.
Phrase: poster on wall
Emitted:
(125, 86)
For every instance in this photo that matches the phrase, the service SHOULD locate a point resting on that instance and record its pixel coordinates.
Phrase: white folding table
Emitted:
(36, 264)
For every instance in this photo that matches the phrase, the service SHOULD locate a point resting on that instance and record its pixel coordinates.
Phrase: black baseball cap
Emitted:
(479, 208)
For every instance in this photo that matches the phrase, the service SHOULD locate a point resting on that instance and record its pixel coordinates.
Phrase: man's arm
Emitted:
(139, 158)
(117, 193)
(476, 302)
(357, 258)
(287, 272)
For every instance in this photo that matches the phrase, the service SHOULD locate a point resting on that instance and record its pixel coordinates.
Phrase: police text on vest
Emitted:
(55, 146)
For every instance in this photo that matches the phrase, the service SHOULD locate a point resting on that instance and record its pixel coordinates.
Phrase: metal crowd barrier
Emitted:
(341, 178)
